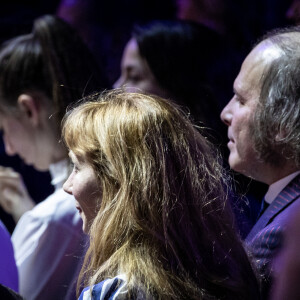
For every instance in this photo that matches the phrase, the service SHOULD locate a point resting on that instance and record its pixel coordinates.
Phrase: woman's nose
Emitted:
(68, 186)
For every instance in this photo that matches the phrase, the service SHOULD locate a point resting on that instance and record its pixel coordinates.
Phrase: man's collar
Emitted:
(276, 187)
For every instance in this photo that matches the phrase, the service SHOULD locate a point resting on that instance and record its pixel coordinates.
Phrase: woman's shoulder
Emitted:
(112, 288)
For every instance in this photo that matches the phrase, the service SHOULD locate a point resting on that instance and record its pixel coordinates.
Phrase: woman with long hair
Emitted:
(153, 199)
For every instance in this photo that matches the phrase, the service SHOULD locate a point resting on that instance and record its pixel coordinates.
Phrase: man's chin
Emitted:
(235, 165)
(232, 162)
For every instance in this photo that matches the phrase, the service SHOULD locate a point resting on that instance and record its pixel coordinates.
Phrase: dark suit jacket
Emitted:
(265, 238)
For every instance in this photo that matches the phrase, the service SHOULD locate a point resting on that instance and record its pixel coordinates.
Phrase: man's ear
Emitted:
(30, 108)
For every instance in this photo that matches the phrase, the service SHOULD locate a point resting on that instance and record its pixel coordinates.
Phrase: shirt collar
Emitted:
(276, 187)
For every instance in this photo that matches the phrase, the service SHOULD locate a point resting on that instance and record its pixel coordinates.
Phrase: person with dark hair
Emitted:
(153, 199)
(264, 132)
(188, 63)
(181, 61)
(41, 73)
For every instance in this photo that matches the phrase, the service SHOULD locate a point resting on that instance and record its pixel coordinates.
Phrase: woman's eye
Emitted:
(74, 167)
(133, 78)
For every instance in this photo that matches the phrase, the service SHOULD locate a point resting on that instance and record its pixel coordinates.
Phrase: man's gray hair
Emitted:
(276, 124)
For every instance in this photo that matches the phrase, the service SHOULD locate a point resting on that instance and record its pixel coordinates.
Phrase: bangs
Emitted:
(77, 132)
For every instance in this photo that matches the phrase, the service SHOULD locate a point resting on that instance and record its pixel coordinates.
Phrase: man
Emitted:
(263, 120)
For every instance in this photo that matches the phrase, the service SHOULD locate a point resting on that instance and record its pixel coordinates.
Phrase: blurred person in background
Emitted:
(177, 60)
(41, 73)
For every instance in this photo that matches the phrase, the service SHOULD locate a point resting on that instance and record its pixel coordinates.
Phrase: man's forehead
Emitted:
(250, 77)
(265, 52)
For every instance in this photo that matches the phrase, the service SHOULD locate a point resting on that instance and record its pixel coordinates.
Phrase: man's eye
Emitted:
(239, 99)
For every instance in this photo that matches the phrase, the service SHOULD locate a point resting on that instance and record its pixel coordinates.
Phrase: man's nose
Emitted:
(226, 114)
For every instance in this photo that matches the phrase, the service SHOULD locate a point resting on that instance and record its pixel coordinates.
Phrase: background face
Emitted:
(18, 138)
(136, 74)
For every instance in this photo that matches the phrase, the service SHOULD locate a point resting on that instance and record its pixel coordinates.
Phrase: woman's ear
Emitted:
(29, 107)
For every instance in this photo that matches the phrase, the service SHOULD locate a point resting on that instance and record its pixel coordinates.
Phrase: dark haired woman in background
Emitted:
(182, 61)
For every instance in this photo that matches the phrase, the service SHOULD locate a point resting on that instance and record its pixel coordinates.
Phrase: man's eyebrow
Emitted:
(235, 92)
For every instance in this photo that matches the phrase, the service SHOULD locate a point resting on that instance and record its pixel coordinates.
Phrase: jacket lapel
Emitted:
(284, 199)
